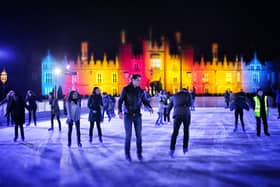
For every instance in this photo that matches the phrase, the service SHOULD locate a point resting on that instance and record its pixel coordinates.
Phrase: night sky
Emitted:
(28, 30)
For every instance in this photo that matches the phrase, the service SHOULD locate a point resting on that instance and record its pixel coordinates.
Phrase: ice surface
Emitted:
(216, 157)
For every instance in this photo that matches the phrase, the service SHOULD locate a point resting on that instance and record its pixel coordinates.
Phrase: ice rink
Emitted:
(216, 157)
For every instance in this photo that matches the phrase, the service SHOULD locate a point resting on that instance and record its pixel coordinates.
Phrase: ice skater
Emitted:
(17, 109)
(261, 112)
(8, 99)
(132, 96)
(238, 104)
(55, 111)
(181, 102)
(73, 106)
(95, 107)
(160, 110)
(30, 100)
(227, 98)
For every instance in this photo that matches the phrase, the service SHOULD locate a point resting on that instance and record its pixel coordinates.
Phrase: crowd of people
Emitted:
(131, 100)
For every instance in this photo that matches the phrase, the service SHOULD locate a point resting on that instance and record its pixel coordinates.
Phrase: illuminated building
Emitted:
(157, 67)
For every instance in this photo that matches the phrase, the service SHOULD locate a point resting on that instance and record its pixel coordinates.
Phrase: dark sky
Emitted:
(28, 30)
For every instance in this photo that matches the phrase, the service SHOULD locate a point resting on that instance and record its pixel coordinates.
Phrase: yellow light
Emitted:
(4, 76)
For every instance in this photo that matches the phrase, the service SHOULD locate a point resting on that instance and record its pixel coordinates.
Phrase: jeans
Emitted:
(265, 126)
(159, 119)
(58, 120)
(70, 127)
(98, 128)
(128, 120)
(239, 112)
(166, 115)
(21, 131)
(32, 112)
(178, 120)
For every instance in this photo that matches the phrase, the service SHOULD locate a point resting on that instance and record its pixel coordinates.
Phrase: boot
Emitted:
(171, 153)
(100, 139)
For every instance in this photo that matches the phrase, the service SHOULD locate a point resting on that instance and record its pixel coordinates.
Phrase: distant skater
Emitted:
(181, 102)
(17, 109)
(73, 106)
(95, 116)
(55, 111)
(238, 104)
(261, 112)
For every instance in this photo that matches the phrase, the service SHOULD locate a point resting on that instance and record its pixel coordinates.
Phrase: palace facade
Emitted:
(158, 69)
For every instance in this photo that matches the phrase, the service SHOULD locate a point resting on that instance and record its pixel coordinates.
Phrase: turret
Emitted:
(123, 37)
(84, 50)
(215, 52)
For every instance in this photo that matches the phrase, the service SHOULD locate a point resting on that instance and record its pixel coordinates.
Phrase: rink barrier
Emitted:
(43, 109)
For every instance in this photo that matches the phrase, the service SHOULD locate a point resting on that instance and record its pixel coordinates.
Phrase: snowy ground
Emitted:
(217, 156)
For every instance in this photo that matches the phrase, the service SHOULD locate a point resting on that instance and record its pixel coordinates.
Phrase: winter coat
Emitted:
(181, 102)
(31, 102)
(54, 107)
(73, 111)
(239, 102)
(17, 109)
(94, 105)
(132, 97)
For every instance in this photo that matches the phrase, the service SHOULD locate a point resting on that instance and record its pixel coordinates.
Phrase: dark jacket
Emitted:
(132, 97)
(54, 106)
(17, 108)
(181, 102)
(239, 102)
(95, 104)
(31, 102)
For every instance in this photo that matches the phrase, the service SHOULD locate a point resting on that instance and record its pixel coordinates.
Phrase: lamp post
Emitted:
(57, 72)
(4, 78)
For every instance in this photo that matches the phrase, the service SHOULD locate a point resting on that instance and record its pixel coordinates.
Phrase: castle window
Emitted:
(99, 78)
(174, 67)
(238, 77)
(228, 77)
(114, 77)
(205, 77)
(48, 78)
(155, 62)
(114, 90)
(251, 68)
(256, 77)
(136, 67)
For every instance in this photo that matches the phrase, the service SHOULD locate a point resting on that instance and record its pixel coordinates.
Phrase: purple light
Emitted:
(5, 54)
